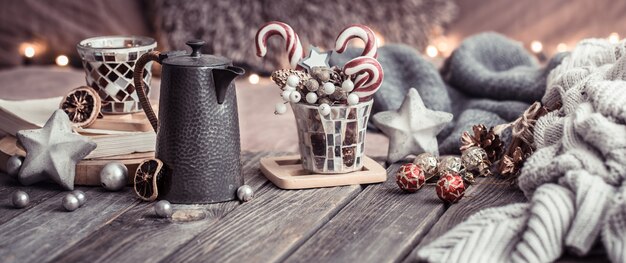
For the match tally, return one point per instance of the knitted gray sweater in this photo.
(574, 179)
(489, 80)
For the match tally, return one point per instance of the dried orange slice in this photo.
(82, 105)
(148, 179)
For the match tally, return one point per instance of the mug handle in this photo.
(138, 80)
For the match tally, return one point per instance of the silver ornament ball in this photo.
(20, 199)
(280, 108)
(347, 85)
(428, 163)
(245, 193)
(324, 109)
(163, 208)
(353, 99)
(329, 88)
(114, 176)
(295, 97)
(80, 195)
(14, 163)
(293, 80)
(449, 164)
(70, 202)
(286, 94)
(311, 97)
(473, 157)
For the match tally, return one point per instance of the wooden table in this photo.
(359, 223)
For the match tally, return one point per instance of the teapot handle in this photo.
(138, 79)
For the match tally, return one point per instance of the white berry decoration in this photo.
(311, 98)
(324, 109)
(286, 95)
(293, 80)
(329, 88)
(353, 99)
(280, 108)
(295, 97)
(347, 85)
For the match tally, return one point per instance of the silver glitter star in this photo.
(412, 129)
(316, 58)
(53, 151)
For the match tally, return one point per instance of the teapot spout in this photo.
(223, 78)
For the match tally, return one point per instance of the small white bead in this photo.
(286, 95)
(347, 85)
(289, 88)
(353, 99)
(280, 108)
(324, 109)
(295, 97)
(293, 80)
(311, 97)
(329, 88)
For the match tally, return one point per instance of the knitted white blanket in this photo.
(573, 181)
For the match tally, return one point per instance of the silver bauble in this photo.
(245, 193)
(80, 195)
(428, 163)
(163, 208)
(473, 157)
(114, 176)
(14, 163)
(449, 164)
(70, 202)
(20, 199)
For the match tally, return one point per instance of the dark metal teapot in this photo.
(198, 125)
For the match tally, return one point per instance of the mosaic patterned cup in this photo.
(109, 62)
(334, 143)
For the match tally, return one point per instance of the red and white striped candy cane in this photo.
(364, 87)
(292, 41)
(358, 31)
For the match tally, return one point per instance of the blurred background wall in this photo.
(434, 27)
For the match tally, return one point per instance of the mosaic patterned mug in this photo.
(109, 62)
(334, 143)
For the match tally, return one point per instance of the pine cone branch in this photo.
(280, 77)
(483, 138)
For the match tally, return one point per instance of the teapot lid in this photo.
(195, 58)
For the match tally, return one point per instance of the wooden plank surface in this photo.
(267, 229)
(46, 230)
(485, 193)
(382, 224)
(37, 194)
(490, 192)
(140, 236)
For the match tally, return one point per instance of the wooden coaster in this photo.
(286, 172)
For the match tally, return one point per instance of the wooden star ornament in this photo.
(53, 151)
(412, 129)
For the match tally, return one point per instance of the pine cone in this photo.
(510, 165)
(280, 77)
(488, 140)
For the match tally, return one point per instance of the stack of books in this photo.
(127, 138)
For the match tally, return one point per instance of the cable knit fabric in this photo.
(574, 180)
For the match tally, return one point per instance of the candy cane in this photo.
(292, 41)
(365, 87)
(358, 31)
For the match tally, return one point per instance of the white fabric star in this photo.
(53, 151)
(316, 58)
(412, 129)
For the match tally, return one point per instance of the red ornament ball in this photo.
(410, 177)
(450, 188)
